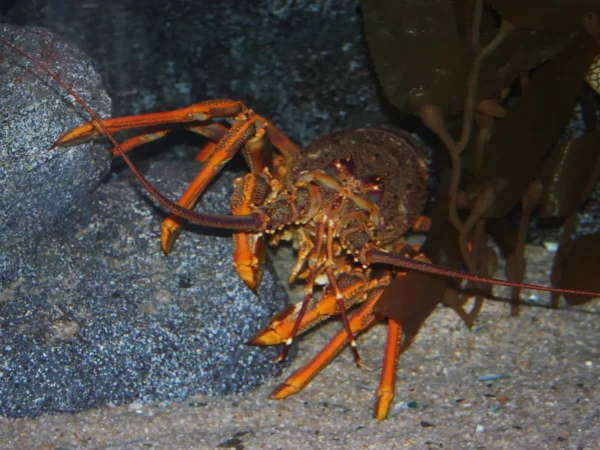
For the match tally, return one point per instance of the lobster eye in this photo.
(373, 188)
(341, 167)
(375, 196)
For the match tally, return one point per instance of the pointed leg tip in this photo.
(256, 341)
(275, 395)
(282, 391)
(380, 415)
(382, 409)
(357, 359)
(282, 355)
(169, 232)
(252, 286)
(166, 244)
(265, 336)
(63, 142)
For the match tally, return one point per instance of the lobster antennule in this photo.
(250, 222)
(378, 256)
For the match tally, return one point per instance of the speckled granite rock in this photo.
(101, 315)
(40, 185)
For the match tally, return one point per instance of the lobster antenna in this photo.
(251, 222)
(377, 256)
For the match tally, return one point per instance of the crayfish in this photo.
(345, 202)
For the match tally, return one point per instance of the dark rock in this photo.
(41, 185)
(90, 310)
(101, 315)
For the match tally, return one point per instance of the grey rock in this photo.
(41, 185)
(90, 310)
(101, 315)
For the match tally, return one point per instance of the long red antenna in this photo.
(377, 256)
(251, 222)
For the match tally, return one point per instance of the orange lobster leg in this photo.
(304, 244)
(287, 148)
(237, 136)
(385, 392)
(250, 192)
(313, 267)
(206, 152)
(213, 131)
(339, 297)
(359, 322)
(136, 141)
(258, 151)
(249, 249)
(281, 326)
(197, 112)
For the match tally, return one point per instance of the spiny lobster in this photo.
(345, 202)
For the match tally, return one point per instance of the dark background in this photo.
(301, 63)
